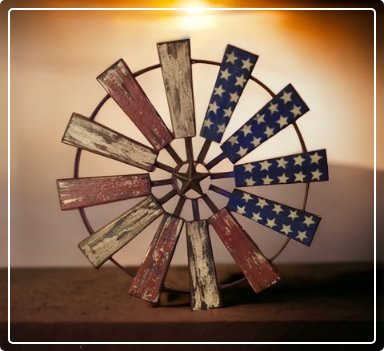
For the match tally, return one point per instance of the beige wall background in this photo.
(56, 56)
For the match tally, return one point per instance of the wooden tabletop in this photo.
(328, 302)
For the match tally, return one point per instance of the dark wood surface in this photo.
(323, 303)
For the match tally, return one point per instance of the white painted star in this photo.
(296, 111)
(286, 229)
(316, 175)
(269, 132)
(256, 217)
(231, 57)
(240, 81)
(309, 220)
(228, 112)
(271, 223)
(225, 74)
(219, 91)
(246, 130)
(234, 97)
(299, 177)
(286, 97)
(267, 180)
(221, 128)
(277, 208)
(247, 64)
(240, 210)
(233, 140)
(256, 141)
(281, 163)
(299, 160)
(207, 123)
(242, 152)
(248, 167)
(282, 121)
(262, 203)
(247, 197)
(273, 108)
(213, 107)
(249, 181)
(265, 165)
(283, 178)
(302, 236)
(315, 158)
(293, 214)
(260, 119)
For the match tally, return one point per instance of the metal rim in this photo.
(87, 224)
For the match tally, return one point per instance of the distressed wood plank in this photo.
(101, 140)
(175, 59)
(205, 292)
(255, 267)
(150, 277)
(280, 112)
(100, 246)
(91, 191)
(122, 86)
(294, 223)
(234, 73)
(298, 168)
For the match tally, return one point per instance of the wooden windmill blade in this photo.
(296, 224)
(234, 73)
(103, 244)
(255, 267)
(175, 59)
(284, 109)
(204, 287)
(149, 279)
(122, 86)
(298, 168)
(94, 137)
(91, 191)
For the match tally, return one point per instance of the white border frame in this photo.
(183, 9)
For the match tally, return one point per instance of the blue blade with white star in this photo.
(234, 73)
(294, 223)
(299, 168)
(284, 109)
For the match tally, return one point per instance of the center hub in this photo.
(189, 179)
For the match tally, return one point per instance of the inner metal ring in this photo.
(132, 272)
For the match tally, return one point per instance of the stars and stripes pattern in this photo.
(285, 108)
(298, 168)
(234, 73)
(294, 223)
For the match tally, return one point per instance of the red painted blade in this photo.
(101, 140)
(204, 287)
(255, 267)
(149, 279)
(175, 59)
(122, 86)
(85, 192)
(103, 244)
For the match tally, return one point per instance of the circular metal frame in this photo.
(84, 217)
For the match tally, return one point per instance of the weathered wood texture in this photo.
(84, 192)
(122, 86)
(100, 246)
(149, 279)
(255, 267)
(101, 140)
(205, 292)
(175, 59)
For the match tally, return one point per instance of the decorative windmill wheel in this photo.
(281, 111)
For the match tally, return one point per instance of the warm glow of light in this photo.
(195, 15)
